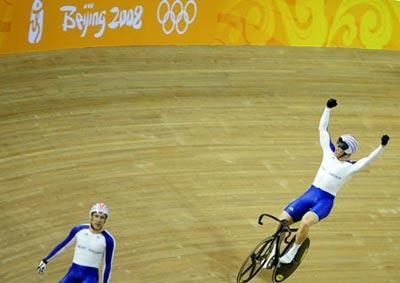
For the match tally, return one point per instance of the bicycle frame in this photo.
(262, 254)
(284, 226)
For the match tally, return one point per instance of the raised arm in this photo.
(324, 138)
(362, 163)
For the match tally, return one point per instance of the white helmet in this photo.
(99, 208)
(351, 142)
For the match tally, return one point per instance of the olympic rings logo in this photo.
(176, 17)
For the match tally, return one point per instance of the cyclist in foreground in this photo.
(335, 170)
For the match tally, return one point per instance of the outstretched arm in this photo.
(324, 138)
(58, 249)
(360, 164)
(63, 245)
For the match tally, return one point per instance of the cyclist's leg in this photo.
(319, 211)
(67, 279)
(286, 216)
(322, 203)
(91, 279)
(295, 210)
(269, 260)
(71, 276)
(91, 275)
(309, 219)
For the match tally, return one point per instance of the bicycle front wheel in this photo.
(253, 263)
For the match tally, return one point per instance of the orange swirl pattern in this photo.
(39, 25)
(373, 24)
(5, 18)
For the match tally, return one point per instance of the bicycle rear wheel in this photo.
(253, 263)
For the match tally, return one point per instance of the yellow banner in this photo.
(34, 25)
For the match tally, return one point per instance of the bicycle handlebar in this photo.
(283, 223)
(269, 215)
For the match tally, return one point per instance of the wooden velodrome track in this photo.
(188, 145)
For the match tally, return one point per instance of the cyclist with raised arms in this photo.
(335, 170)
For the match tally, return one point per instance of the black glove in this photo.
(385, 139)
(331, 103)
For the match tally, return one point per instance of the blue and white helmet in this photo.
(351, 142)
(99, 208)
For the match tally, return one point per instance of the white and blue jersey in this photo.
(331, 176)
(90, 250)
(334, 173)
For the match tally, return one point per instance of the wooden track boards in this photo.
(188, 145)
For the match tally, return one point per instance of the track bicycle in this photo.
(267, 253)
